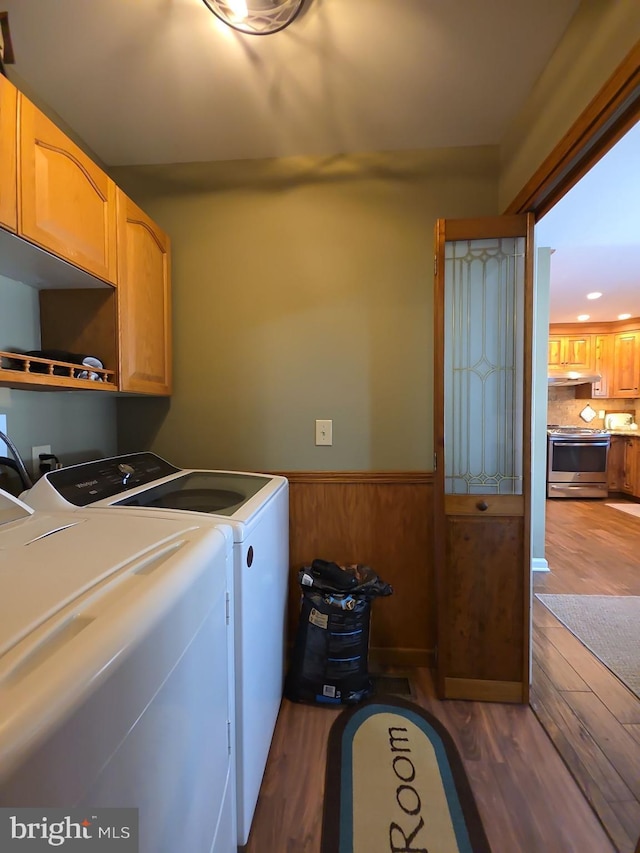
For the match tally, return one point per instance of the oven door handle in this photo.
(580, 443)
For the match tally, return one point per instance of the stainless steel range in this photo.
(577, 462)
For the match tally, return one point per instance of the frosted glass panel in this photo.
(483, 369)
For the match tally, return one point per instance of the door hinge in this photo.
(435, 461)
(228, 608)
(435, 265)
(229, 736)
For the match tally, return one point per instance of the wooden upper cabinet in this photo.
(625, 379)
(8, 142)
(570, 352)
(602, 364)
(66, 202)
(144, 301)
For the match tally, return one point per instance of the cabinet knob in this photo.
(482, 506)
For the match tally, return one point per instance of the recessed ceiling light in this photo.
(583, 317)
(595, 295)
(624, 316)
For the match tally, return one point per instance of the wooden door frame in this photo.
(611, 113)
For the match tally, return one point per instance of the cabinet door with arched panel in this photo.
(66, 202)
(144, 301)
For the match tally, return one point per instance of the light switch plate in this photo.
(324, 432)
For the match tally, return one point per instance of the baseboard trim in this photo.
(539, 564)
(483, 691)
(379, 656)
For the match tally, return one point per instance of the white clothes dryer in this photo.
(116, 671)
(256, 507)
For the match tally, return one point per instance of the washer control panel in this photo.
(89, 482)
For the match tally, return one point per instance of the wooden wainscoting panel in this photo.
(484, 598)
(383, 520)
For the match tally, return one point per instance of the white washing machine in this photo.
(256, 506)
(116, 671)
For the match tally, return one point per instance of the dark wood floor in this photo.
(592, 718)
(527, 797)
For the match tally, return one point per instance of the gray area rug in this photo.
(629, 508)
(608, 625)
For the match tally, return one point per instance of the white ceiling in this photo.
(595, 232)
(163, 81)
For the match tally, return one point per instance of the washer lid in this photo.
(214, 492)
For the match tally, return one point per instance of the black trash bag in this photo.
(331, 575)
(357, 579)
(330, 660)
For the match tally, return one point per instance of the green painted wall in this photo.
(303, 289)
(599, 37)
(77, 425)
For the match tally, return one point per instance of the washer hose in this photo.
(27, 482)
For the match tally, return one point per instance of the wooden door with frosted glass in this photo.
(482, 394)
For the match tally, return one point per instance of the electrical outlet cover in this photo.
(35, 456)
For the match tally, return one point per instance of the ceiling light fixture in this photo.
(583, 317)
(595, 295)
(256, 17)
(624, 316)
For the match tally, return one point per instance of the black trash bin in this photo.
(330, 660)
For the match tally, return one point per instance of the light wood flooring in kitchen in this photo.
(592, 718)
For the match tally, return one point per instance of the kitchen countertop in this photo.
(630, 432)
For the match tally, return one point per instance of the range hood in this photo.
(572, 377)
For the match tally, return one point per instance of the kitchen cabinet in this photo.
(625, 377)
(100, 264)
(144, 301)
(602, 364)
(570, 352)
(603, 367)
(615, 464)
(67, 203)
(631, 483)
(8, 156)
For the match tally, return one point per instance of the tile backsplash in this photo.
(564, 409)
